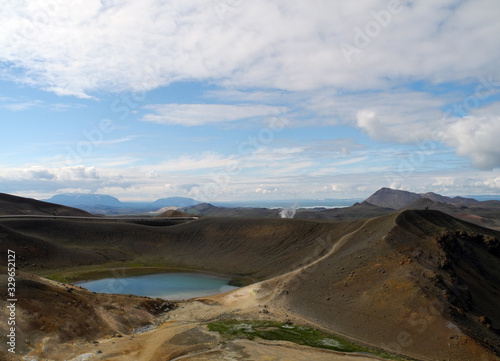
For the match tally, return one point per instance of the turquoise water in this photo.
(173, 286)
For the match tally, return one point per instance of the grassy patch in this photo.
(114, 269)
(270, 330)
(59, 278)
(74, 274)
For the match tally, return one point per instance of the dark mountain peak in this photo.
(399, 199)
(392, 198)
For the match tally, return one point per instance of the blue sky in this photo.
(234, 100)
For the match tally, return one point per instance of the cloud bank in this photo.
(78, 48)
(399, 72)
(199, 114)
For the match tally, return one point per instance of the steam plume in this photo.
(288, 212)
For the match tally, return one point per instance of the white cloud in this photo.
(476, 138)
(134, 184)
(138, 192)
(410, 117)
(199, 114)
(17, 105)
(43, 174)
(73, 190)
(350, 161)
(492, 183)
(402, 117)
(204, 161)
(287, 52)
(292, 168)
(473, 137)
(266, 190)
(265, 155)
(80, 48)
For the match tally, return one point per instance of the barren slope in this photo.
(408, 282)
(10, 204)
(420, 283)
(258, 248)
(49, 314)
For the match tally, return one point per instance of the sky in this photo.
(249, 100)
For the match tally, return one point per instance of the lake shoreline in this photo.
(122, 272)
(177, 285)
(75, 275)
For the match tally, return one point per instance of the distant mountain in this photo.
(384, 201)
(14, 205)
(485, 213)
(443, 199)
(397, 199)
(392, 198)
(175, 202)
(108, 205)
(79, 199)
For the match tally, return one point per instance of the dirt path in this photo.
(280, 308)
(290, 275)
(335, 247)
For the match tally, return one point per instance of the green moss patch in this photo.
(275, 331)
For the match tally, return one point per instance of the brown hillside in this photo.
(52, 314)
(209, 210)
(420, 283)
(403, 281)
(247, 246)
(485, 214)
(174, 213)
(13, 205)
